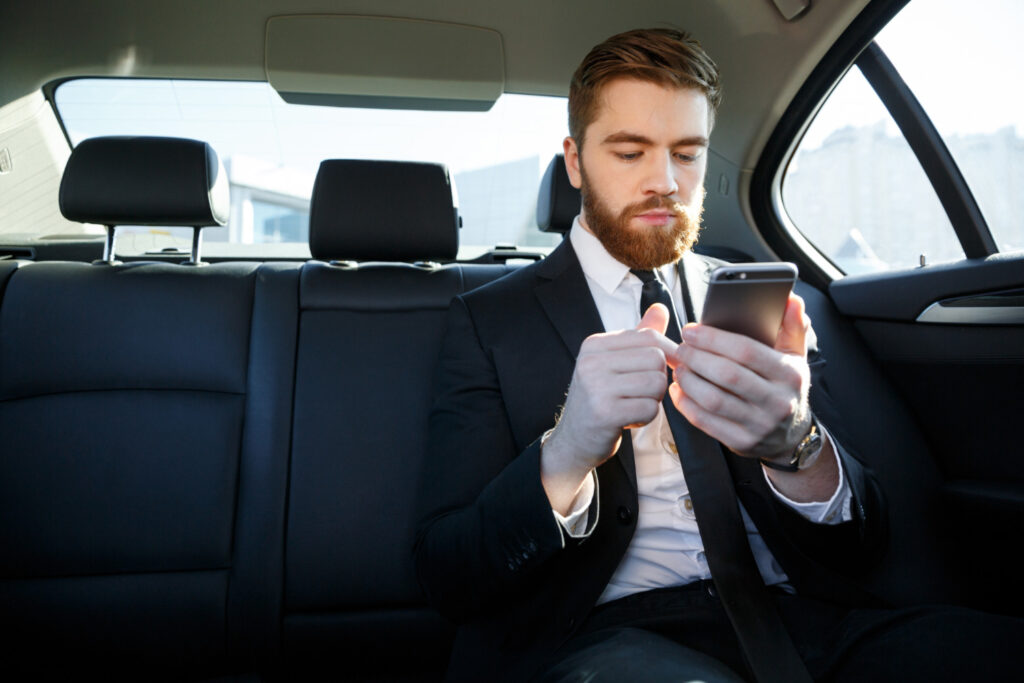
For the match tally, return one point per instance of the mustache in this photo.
(655, 202)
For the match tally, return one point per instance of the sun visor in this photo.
(383, 62)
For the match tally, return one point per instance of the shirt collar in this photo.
(602, 267)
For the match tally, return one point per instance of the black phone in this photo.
(749, 298)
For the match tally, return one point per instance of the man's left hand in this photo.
(749, 396)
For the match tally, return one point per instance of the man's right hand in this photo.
(619, 382)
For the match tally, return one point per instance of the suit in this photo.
(489, 553)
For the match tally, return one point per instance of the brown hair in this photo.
(659, 55)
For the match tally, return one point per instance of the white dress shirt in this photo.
(666, 549)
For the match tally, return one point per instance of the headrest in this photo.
(558, 202)
(144, 181)
(382, 211)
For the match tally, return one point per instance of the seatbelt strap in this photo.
(766, 644)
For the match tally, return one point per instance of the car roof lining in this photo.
(763, 57)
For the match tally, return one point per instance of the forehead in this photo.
(646, 107)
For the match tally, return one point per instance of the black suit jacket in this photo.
(489, 554)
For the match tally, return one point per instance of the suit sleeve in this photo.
(849, 548)
(485, 523)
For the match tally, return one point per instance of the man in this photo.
(559, 528)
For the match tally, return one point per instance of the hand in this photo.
(751, 397)
(619, 381)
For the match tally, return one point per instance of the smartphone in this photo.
(749, 298)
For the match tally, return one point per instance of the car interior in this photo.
(210, 449)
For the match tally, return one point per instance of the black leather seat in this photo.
(369, 334)
(145, 411)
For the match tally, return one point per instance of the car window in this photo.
(271, 151)
(854, 187)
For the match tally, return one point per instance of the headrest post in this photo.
(108, 249)
(196, 244)
(146, 181)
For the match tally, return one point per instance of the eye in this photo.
(628, 156)
(688, 158)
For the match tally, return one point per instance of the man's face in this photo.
(641, 173)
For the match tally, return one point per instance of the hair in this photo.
(659, 55)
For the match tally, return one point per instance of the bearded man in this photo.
(562, 494)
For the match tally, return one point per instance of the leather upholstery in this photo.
(382, 211)
(558, 201)
(144, 181)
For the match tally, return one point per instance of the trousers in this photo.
(683, 634)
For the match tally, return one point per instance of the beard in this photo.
(651, 246)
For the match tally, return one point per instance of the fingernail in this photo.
(688, 334)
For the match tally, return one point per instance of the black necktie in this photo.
(769, 651)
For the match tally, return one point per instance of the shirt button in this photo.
(625, 514)
(830, 516)
(688, 504)
(672, 447)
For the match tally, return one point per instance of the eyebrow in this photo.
(626, 136)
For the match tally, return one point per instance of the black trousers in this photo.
(683, 634)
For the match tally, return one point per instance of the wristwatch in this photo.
(804, 455)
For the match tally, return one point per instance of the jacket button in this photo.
(625, 514)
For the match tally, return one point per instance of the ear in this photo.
(572, 162)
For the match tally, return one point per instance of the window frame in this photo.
(856, 47)
(931, 151)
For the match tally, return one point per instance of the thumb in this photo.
(793, 333)
(656, 318)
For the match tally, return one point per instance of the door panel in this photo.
(964, 385)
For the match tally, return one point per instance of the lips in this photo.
(656, 217)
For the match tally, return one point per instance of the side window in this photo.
(866, 197)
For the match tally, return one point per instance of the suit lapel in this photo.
(695, 274)
(564, 295)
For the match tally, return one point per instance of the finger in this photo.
(636, 360)
(631, 339)
(656, 318)
(647, 384)
(740, 349)
(792, 337)
(622, 360)
(637, 412)
(717, 401)
(624, 339)
(723, 372)
(732, 434)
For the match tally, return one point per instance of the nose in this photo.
(660, 177)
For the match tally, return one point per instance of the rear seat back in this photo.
(369, 335)
(136, 489)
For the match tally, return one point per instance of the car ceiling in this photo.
(763, 57)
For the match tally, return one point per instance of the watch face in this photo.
(808, 450)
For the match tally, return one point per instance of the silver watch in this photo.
(805, 453)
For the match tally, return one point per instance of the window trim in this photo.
(931, 151)
(766, 182)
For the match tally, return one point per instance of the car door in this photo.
(912, 221)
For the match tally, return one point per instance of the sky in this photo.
(936, 46)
